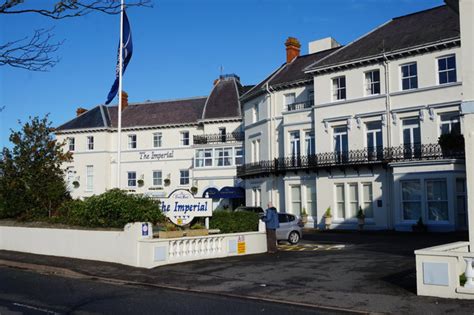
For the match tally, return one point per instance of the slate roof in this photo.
(289, 73)
(416, 29)
(222, 103)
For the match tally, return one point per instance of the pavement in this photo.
(361, 272)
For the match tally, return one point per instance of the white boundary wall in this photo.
(129, 247)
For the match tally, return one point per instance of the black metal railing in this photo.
(300, 105)
(372, 156)
(219, 138)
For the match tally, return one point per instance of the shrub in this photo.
(233, 222)
(114, 208)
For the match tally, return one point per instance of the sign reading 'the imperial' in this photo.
(181, 207)
(156, 155)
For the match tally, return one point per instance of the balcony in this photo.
(300, 105)
(219, 138)
(352, 158)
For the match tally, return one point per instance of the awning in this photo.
(211, 193)
(232, 192)
(226, 192)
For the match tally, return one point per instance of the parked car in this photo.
(258, 210)
(291, 228)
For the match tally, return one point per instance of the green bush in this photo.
(233, 222)
(114, 208)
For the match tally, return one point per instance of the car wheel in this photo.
(294, 238)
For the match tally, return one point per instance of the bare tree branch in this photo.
(35, 53)
(31, 53)
(69, 8)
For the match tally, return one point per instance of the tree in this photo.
(36, 52)
(31, 178)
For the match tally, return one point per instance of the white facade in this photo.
(358, 117)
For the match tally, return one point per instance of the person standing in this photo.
(271, 222)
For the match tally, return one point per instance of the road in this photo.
(26, 292)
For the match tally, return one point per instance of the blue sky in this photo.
(179, 47)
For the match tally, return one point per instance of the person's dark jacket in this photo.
(271, 218)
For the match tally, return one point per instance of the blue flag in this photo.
(126, 55)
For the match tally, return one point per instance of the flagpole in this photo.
(119, 123)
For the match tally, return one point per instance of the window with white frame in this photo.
(367, 200)
(132, 179)
(449, 123)
(411, 133)
(411, 199)
(157, 140)
(157, 178)
(447, 69)
(296, 199)
(255, 113)
(353, 200)
(255, 147)
(339, 88)
(437, 199)
(203, 158)
(311, 200)
(374, 139)
(71, 143)
(90, 143)
(340, 212)
(132, 141)
(223, 156)
(372, 82)
(409, 76)
(222, 132)
(89, 178)
(239, 155)
(295, 143)
(256, 197)
(184, 177)
(341, 145)
(309, 143)
(289, 99)
(184, 138)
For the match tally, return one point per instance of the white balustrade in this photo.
(469, 273)
(210, 246)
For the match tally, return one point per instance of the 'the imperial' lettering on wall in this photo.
(156, 155)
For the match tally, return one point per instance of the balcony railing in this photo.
(354, 158)
(219, 138)
(300, 105)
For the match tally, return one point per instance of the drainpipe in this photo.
(390, 199)
(270, 150)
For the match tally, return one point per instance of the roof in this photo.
(416, 29)
(222, 103)
(289, 73)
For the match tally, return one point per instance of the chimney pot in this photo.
(292, 49)
(124, 100)
(80, 111)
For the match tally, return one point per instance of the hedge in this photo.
(233, 222)
(114, 208)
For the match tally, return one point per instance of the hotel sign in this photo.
(181, 207)
(156, 155)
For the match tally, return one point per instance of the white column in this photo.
(466, 14)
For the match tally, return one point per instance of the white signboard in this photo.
(181, 207)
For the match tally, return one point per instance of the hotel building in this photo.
(357, 126)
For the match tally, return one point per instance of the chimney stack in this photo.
(80, 111)
(124, 100)
(292, 49)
